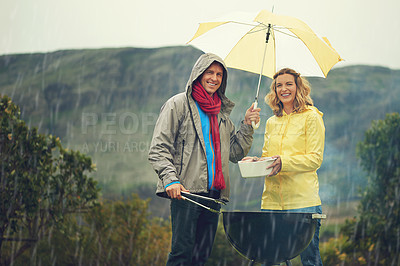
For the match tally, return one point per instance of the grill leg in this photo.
(288, 263)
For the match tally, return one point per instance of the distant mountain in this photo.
(105, 102)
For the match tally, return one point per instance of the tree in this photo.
(374, 237)
(41, 182)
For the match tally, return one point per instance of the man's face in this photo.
(211, 79)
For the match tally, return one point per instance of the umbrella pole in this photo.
(260, 77)
(255, 126)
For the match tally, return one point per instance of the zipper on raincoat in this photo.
(288, 117)
(183, 148)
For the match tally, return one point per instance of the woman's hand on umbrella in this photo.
(276, 165)
(252, 114)
(174, 191)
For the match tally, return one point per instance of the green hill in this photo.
(105, 102)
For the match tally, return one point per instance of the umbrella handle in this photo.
(254, 125)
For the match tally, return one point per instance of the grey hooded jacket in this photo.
(177, 151)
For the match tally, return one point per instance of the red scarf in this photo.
(211, 106)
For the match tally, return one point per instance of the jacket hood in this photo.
(198, 69)
(316, 110)
(307, 108)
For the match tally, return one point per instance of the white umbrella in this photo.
(265, 43)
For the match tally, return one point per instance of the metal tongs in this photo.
(205, 198)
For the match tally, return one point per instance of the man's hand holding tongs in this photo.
(174, 191)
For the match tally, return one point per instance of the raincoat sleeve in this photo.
(240, 142)
(311, 160)
(162, 145)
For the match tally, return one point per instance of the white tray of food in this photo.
(255, 167)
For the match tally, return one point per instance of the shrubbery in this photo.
(50, 213)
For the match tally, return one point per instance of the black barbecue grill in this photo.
(266, 237)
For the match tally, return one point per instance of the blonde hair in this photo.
(302, 98)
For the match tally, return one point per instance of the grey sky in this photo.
(362, 31)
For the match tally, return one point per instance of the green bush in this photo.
(40, 183)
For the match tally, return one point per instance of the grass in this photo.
(336, 215)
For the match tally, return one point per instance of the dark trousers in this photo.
(193, 232)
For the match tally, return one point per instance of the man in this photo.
(193, 141)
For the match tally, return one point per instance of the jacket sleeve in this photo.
(240, 142)
(314, 148)
(162, 148)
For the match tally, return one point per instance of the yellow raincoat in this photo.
(299, 140)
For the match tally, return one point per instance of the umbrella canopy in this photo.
(266, 43)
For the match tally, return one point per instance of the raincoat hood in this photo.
(308, 108)
(198, 69)
(315, 110)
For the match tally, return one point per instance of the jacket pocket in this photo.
(183, 149)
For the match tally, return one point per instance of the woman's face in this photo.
(286, 90)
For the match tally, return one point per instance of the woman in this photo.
(295, 136)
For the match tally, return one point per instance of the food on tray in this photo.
(255, 159)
